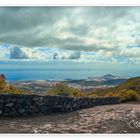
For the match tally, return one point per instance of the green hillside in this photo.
(130, 84)
(127, 91)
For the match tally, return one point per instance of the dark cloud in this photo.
(69, 27)
(24, 18)
(17, 53)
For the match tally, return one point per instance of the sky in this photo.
(81, 34)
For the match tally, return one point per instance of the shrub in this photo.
(5, 88)
(2, 81)
(64, 90)
(127, 95)
(93, 94)
(110, 94)
(12, 90)
(124, 95)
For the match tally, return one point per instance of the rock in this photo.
(40, 103)
(1, 105)
(35, 98)
(43, 109)
(13, 99)
(21, 101)
(21, 110)
(7, 100)
(0, 111)
(12, 104)
(6, 111)
(1, 101)
(38, 99)
(33, 110)
(13, 112)
(9, 104)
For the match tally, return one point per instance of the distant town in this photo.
(89, 84)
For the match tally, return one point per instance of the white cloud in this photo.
(42, 53)
(24, 53)
(133, 52)
(66, 55)
(68, 33)
(129, 54)
(4, 51)
(94, 28)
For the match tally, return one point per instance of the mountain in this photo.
(109, 76)
(106, 77)
(92, 82)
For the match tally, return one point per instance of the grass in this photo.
(61, 89)
(124, 95)
(127, 91)
(5, 88)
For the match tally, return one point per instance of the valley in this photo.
(86, 85)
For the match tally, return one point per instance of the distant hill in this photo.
(106, 80)
(129, 90)
(109, 76)
(129, 84)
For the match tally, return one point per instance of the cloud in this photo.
(106, 32)
(43, 53)
(69, 28)
(4, 51)
(67, 55)
(126, 55)
(24, 53)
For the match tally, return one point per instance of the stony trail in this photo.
(120, 118)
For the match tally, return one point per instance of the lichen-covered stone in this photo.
(9, 104)
(16, 105)
(21, 110)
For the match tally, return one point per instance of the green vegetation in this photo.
(5, 88)
(127, 91)
(64, 90)
(130, 84)
(124, 95)
(2, 81)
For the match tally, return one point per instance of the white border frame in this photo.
(70, 3)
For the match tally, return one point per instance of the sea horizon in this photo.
(63, 70)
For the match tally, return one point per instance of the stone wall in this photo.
(16, 105)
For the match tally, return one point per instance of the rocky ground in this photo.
(121, 118)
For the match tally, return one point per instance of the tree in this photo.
(2, 80)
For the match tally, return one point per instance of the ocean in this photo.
(61, 70)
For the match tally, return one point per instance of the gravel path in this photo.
(121, 118)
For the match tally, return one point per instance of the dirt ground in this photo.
(121, 118)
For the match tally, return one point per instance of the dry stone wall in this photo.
(12, 105)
